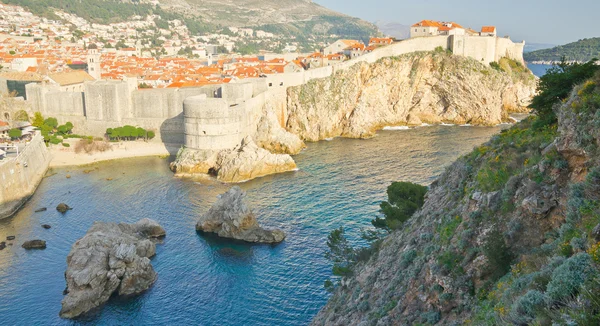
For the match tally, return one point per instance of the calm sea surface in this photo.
(538, 70)
(205, 281)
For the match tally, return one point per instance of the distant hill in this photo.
(393, 29)
(530, 47)
(582, 50)
(301, 19)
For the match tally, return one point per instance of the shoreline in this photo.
(66, 156)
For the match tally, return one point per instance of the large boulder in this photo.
(230, 217)
(110, 259)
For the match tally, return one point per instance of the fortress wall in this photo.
(3, 86)
(211, 124)
(19, 177)
(507, 48)
(107, 100)
(65, 103)
(480, 48)
(236, 93)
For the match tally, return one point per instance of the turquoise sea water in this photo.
(207, 281)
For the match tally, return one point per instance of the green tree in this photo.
(51, 122)
(404, 199)
(141, 132)
(340, 253)
(15, 133)
(556, 85)
(38, 120)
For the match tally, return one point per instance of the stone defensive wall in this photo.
(109, 104)
(222, 121)
(217, 116)
(485, 49)
(20, 176)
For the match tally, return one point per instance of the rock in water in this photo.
(110, 258)
(10, 237)
(63, 208)
(34, 244)
(43, 209)
(46, 226)
(244, 162)
(229, 217)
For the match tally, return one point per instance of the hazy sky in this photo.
(535, 21)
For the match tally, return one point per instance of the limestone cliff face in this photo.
(533, 189)
(412, 89)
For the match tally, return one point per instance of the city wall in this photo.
(219, 115)
(20, 176)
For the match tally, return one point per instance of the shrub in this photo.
(404, 199)
(497, 253)
(495, 65)
(528, 305)
(66, 145)
(568, 277)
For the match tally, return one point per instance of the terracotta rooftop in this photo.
(71, 77)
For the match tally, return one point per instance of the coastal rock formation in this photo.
(34, 244)
(244, 162)
(271, 136)
(411, 89)
(230, 217)
(110, 259)
(503, 237)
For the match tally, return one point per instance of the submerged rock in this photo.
(229, 217)
(10, 237)
(46, 226)
(43, 209)
(110, 259)
(34, 244)
(63, 208)
(2, 245)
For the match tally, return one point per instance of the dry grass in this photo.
(89, 146)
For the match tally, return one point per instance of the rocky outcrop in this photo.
(411, 89)
(110, 259)
(241, 163)
(231, 218)
(34, 244)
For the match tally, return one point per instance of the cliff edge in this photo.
(411, 89)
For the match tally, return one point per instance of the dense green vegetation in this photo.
(108, 11)
(128, 132)
(52, 132)
(556, 85)
(582, 50)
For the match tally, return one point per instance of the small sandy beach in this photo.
(66, 156)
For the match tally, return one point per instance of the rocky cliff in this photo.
(509, 234)
(422, 87)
